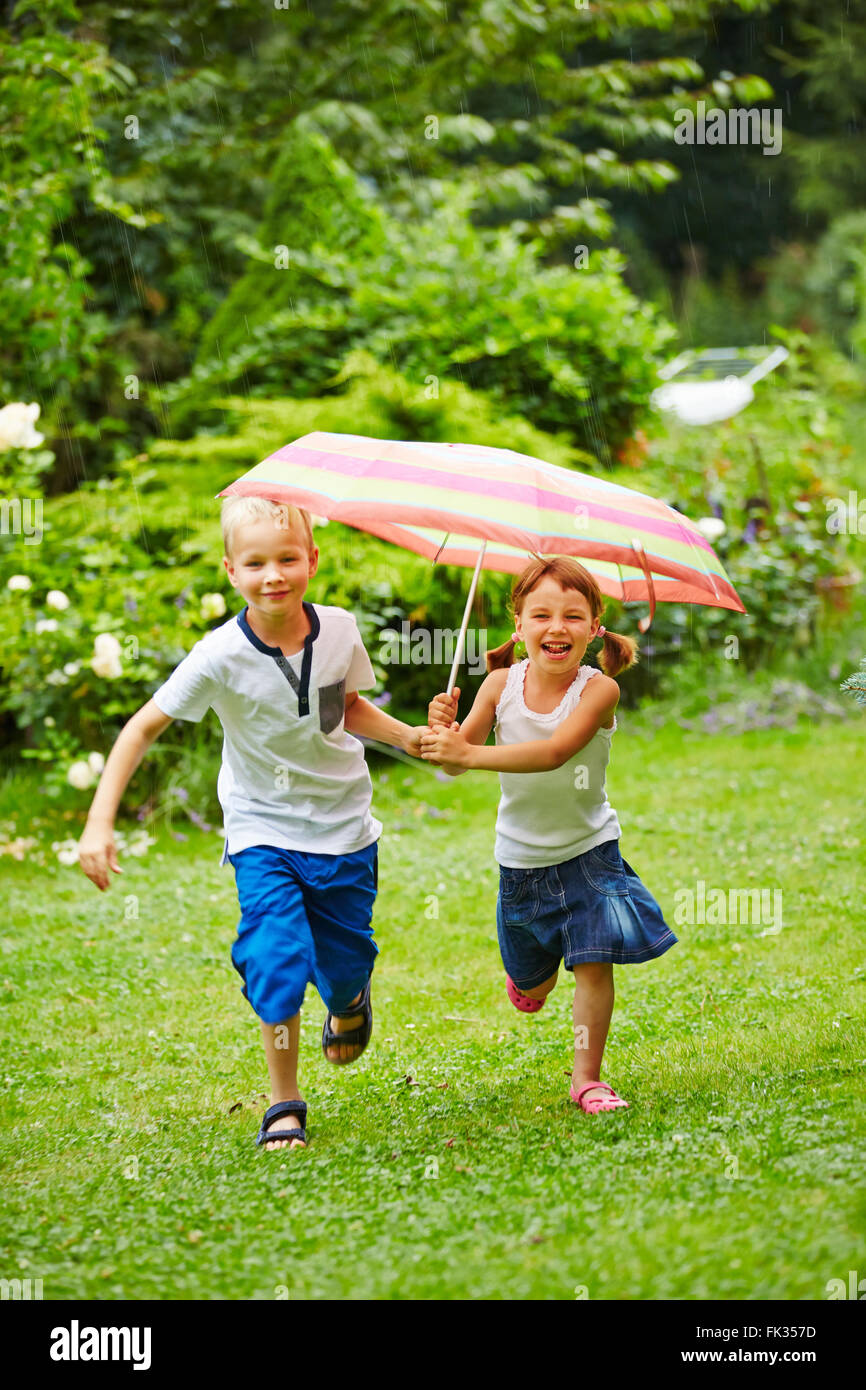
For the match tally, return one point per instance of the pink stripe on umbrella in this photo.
(492, 487)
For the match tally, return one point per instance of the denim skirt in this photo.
(589, 908)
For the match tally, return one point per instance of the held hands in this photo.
(445, 744)
(97, 853)
(413, 740)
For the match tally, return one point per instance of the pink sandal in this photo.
(611, 1102)
(521, 1001)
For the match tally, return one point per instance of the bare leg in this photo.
(281, 1051)
(593, 1007)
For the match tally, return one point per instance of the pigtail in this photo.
(618, 652)
(501, 657)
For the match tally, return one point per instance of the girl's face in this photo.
(557, 625)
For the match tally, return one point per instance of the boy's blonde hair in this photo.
(237, 510)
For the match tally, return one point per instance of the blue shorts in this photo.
(305, 919)
(590, 908)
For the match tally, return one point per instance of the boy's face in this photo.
(556, 624)
(271, 565)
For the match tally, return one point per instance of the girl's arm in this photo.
(362, 717)
(477, 724)
(597, 703)
(97, 852)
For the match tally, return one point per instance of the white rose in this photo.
(80, 776)
(212, 606)
(711, 527)
(18, 581)
(106, 657)
(46, 625)
(55, 598)
(16, 426)
(96, 762)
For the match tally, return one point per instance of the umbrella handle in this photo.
(644, 623)
(461, 640)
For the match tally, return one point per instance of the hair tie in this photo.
(514, 637)
(601, 632)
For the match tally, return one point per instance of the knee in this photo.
(593, 972)
(541, 991)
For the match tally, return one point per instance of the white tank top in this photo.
(545, 818)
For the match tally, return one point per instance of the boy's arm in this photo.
(362, 717)
(96, 848)
(597, 703)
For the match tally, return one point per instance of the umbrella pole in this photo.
(461, 640)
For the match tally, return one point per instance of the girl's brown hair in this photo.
(618, 651)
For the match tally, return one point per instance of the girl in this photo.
(564, 890)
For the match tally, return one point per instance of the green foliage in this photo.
(137, 164)
(52, 161)
(856, 684)
(825, 50)
(569, 348)
(836, 282)
(769, 475)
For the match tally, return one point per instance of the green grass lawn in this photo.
(449, 1163)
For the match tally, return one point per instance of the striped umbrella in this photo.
(470, 504)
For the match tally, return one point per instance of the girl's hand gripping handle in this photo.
(443, 709)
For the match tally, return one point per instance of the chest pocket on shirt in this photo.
(332, 701)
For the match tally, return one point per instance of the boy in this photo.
(283, 678)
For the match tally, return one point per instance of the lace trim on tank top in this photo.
(512, 693)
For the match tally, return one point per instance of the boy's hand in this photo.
(446, 745)
(413, 741)
(97, 853)
(443, 709)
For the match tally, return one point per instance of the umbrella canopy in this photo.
(470, 504)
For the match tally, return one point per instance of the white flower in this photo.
(140, 844)
(49, 722)
(106, 656)
(80, 775)
(55, 598)
(16, 426)
(212, 606)
(72, 668)
(712, 527)
(66, 851)
(18, 581)
(95, 762)
(56, 678)
(46, 625)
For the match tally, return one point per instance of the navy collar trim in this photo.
(301, 687)
(257, 642)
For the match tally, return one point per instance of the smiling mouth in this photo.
(556, 648)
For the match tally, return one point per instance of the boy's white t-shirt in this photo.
(288, 778)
